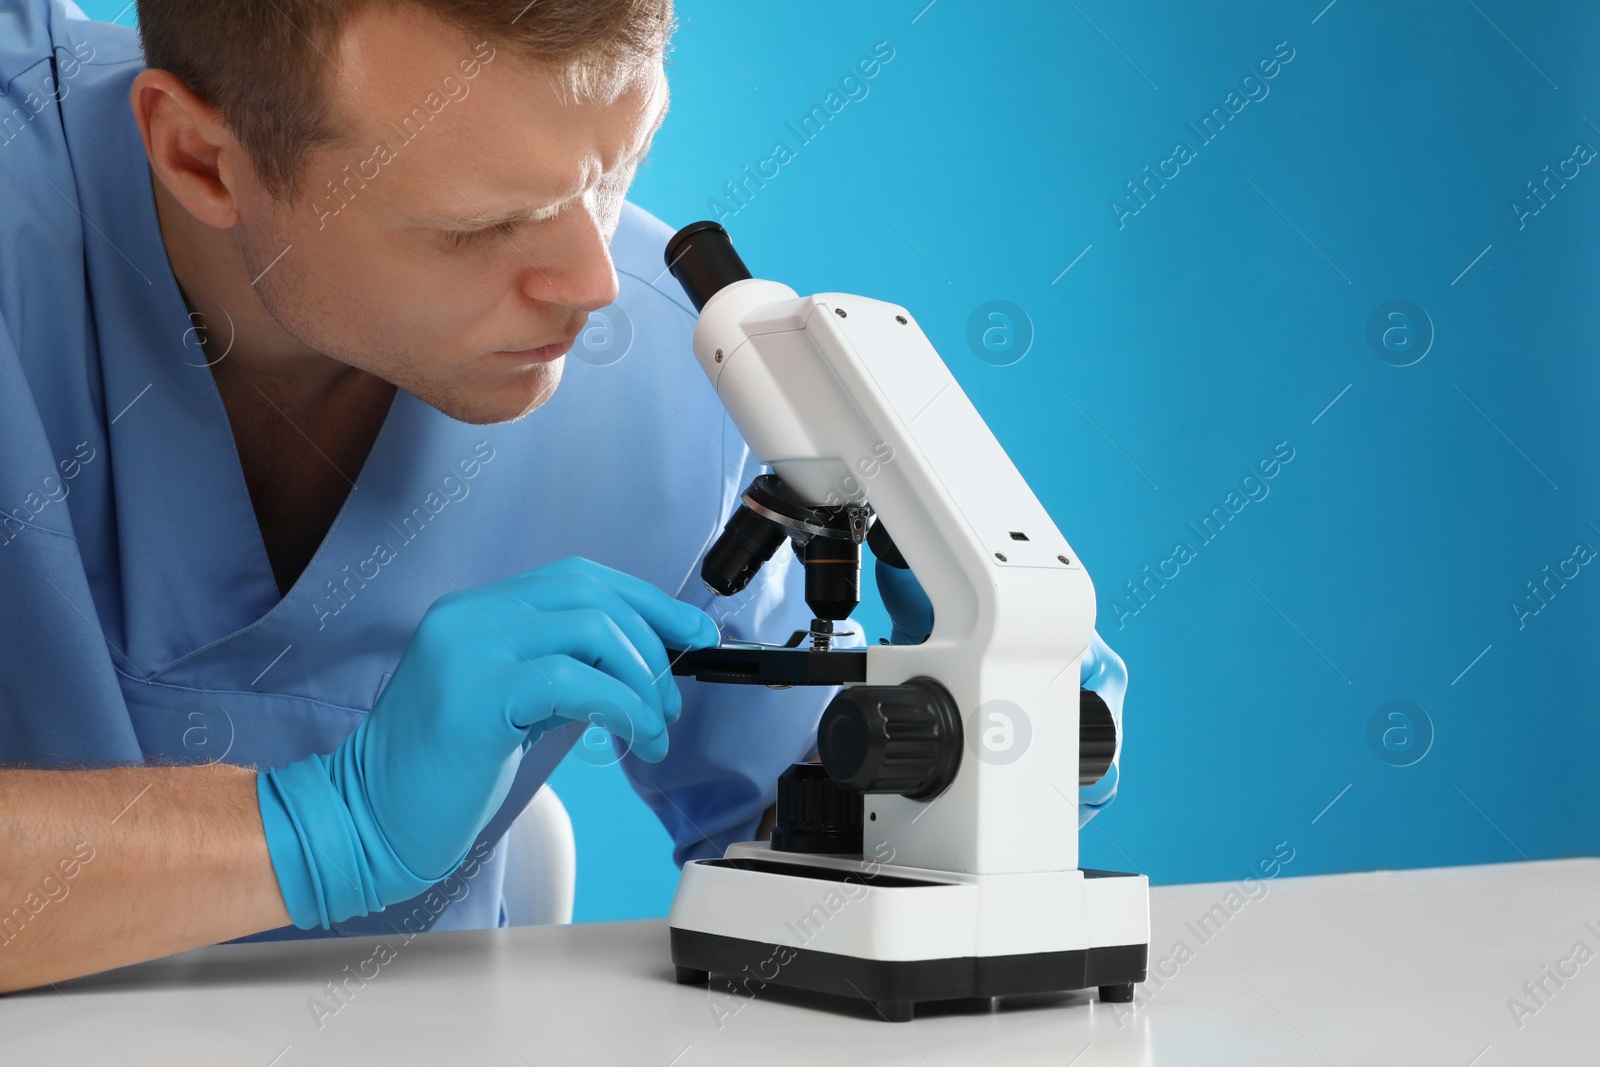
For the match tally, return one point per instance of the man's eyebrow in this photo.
(483, 220)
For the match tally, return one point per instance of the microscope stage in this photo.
(779, 666)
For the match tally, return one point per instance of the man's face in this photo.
(468, 220)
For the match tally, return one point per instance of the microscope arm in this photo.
(848, 402)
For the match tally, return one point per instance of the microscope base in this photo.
(895, 987)
(897, 936)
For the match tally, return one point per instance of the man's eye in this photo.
(467, 238)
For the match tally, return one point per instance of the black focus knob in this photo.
(815, 813)
(1097, 737)
(902, 739)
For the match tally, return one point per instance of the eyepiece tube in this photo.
(702, 258)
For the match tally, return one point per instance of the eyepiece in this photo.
(702, 258)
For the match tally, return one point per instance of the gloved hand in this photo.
(910, 611)
(1102, 670)
(396, 806)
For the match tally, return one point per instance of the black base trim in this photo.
(894, 987)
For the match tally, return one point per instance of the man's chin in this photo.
(504, 400)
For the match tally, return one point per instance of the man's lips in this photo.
(542, 354)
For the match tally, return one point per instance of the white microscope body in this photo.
(976, 892)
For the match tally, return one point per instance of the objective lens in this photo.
(746, 544)
(833, 577)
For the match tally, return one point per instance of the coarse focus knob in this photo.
(1097, 737)
(815, 813)
(902, 739)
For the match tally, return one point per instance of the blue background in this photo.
(1229, 314)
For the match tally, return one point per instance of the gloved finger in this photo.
(910, 610)
(593, 637)
(678, 624)
(1095, 798)
(1103, 671)
(567, 592)
(578, 692)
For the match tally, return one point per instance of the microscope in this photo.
(932, 853)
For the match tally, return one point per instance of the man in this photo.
(277, 537)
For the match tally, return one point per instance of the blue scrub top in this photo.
(141, 619)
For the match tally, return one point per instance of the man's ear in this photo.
(190, 148)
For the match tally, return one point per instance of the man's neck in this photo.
(244, 344)
(302, 423)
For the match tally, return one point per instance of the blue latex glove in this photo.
(1103, 672)
(396, 806)
(911, 621)
(910, 611)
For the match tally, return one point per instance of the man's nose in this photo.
(576, 270)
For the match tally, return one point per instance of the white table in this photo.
(1411, 968)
